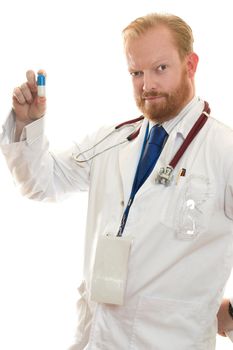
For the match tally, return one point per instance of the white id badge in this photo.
(110, 270)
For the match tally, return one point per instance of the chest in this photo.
(192, 197)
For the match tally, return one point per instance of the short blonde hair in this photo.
(181, 31)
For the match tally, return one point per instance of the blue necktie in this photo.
(150, 155)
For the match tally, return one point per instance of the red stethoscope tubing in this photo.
(135, 133)
(191, 135)
(193, 132)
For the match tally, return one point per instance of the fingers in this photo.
(23, 94)
(31, 80)
(27, 92)
(18, 96)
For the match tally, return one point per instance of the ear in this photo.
(191, 63)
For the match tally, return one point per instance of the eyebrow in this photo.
(159, 61)
(155, 63)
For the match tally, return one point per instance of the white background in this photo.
(79, 44)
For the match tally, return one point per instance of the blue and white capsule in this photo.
(41, 85)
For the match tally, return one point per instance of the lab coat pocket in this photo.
(194, 208)
(163, 324)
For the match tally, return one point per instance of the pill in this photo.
(41, 85)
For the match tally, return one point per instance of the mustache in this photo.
(153, 94)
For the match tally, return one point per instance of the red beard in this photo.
(169, 106)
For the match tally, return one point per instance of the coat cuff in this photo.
(33, 131)
(30, 133)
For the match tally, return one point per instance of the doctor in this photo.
(167, 239)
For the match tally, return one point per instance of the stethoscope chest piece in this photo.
(165, 175)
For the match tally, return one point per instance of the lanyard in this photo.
(134, 189)
(165, 174)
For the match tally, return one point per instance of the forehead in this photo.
(154, 45)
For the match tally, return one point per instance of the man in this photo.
(173, 225)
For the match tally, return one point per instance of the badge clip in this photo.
(165, 175)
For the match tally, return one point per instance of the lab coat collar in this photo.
(188, 116)
(185, 119)
(130, 153)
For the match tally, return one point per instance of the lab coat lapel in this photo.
(163, 160)
(128, 160)
(174, 142)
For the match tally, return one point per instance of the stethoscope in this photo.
(165, 174)
(118, 127)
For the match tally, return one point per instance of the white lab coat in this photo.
(181, 254)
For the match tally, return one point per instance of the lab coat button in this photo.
(122, 203)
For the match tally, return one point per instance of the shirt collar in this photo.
(185, 119)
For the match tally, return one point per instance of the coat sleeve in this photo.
(40, 173)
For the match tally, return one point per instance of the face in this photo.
(163, 83)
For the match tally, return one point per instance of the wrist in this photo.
(19, 126)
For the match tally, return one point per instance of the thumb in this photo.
(41, 105)
(37, 108)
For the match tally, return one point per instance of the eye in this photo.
(162, 67)
(136, 74)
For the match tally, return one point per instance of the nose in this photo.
(149, 82)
